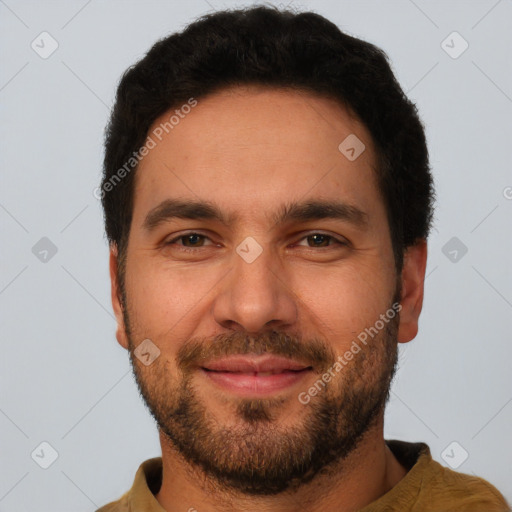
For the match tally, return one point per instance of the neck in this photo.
(366, 474)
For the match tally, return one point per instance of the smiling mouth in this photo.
(259, 374)
(255, 376)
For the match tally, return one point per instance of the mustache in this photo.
(314, 352)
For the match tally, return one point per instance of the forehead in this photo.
(252, 148)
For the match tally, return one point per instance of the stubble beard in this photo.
(254, 454)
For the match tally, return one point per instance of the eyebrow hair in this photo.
(293, 211)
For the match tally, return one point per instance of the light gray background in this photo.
(64, 378)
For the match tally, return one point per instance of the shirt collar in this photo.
(146, 484)
(148, 479)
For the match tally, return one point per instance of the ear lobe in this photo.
(115, 292)
(413, 279)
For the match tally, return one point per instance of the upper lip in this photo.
(247, 364)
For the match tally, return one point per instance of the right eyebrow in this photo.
(183, 209)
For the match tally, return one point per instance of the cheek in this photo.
(164, 297)
(343, 302)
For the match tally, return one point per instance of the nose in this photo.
(255, 296)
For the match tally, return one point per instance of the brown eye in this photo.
(191, 240)
(321, 240)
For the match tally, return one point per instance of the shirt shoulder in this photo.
(454, 491)
(121, 505)
(430, 487)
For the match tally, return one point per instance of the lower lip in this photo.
(250, 384)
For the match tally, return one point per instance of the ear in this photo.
(413, 279)
(121, 335)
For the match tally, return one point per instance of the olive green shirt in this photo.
(427, 487)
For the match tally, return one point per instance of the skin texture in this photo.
(251, 150)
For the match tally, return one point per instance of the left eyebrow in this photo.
(291, 212)
(321, 209)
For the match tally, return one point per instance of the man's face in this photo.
(249, 314)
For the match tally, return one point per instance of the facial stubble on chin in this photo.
(256, 455)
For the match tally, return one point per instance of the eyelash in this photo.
(193, 249)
